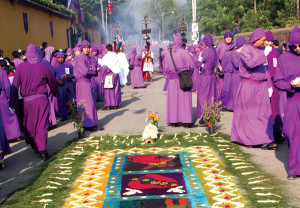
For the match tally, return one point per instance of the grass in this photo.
(68, 164)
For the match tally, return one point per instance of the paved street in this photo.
(23, 165)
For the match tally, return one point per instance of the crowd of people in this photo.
(256, 80)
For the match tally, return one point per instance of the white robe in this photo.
(123, 65)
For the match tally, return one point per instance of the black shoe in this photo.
(95, 128)
(63, 119)
(189, 125)
(201, 122)
(291, 177)
(1, 165)
(172, 124)
(106, 108)
(278, 137)
(269, 146)
(44, 155)
(114, 107)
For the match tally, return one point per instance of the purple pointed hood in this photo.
(177, 41)
(84, 44)
(227, 34)
(208, 40)
(257, 34)
(70, 51)
(295, 36)
(132, 54)
(33, 54)
(95, 48)
(270, 36)
(60, 55)
(191, 49)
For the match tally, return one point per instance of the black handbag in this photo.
(185, 77)
(130, 67)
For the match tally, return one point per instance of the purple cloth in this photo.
(9, 118)
(207, 87)
(48, 53)
(252, 117)
(17, 61)
(179, 102)
(33, 77)
(84, 44)
(60, 55)
(288, 69)
(272, 63)
(84, 69)
(112, 96)
(70, 51)
(136, 74)
(4, 146)
(97, 80)
(235, 76)
(67, 90)
(226, 92)
(227, 34)
(270, 36)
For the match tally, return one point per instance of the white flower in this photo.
(150, 131)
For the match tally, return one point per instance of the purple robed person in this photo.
(48, 53)
(110, 67)
(288, 69)
(136, 74)
(51, 98)
(17, 61)
(97, 81)
(179, 102)
(207, 87)
(230, 66)
(9, 118)
(252, 117)
(193, 53)
(33, 77)
(65, 79)
(272, 63)
(85, 68)
(221, 49)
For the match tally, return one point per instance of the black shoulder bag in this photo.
(185, 77)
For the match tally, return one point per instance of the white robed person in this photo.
(112, 86)
(123, 63)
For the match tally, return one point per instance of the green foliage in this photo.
(211, 113)
(216, 16)
(78, 114)
(58, 7)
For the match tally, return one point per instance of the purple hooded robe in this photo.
(221, 49)
(136, 74)
(207, 87)
(85, 68)
(179, 102)
(9, 118)
(252, 117)
(33, 77)
(66, 90)
(288, 69)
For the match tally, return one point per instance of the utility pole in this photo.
(194, 21)
(298, 15)
(255, 10)
(102, 15)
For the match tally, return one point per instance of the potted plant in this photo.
(77, 116)
(211, 114)
(150, 133)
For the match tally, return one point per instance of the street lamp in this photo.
(162, 22)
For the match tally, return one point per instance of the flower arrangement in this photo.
(151, 130)
(77, 114)
(211, 114)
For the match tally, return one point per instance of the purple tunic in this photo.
(9, 118)
(112, 96)
(136, 74)
(207, 87)
(84, 69)
(235, 76)
(221, 49)
(66, 91)
(179, 102)
(17, 61)
(97, 80)
(272, 63)
(288, 69)
(4, 146)
(33, 77)
(226, 92)
(252, 117)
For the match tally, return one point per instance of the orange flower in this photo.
(153, 115)
(155, 118)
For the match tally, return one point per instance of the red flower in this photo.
(89, 185)
(208, 165)
(220, 184)
(214, 171)
(86, 194)
(217, 177)
(198, 147)
(175, 148)
(93, 173)
(98, 159)
(222, 190)
(205, 160)
(201, 155)
(90, 179)
(101, 155)
(208, 124)
(227, 206)
(85, 202)
(226, 197)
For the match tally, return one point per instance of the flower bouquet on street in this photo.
(77, 116)
(150, 133)
(211, 114)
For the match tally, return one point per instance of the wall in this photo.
(13, 35)
(282, 35)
